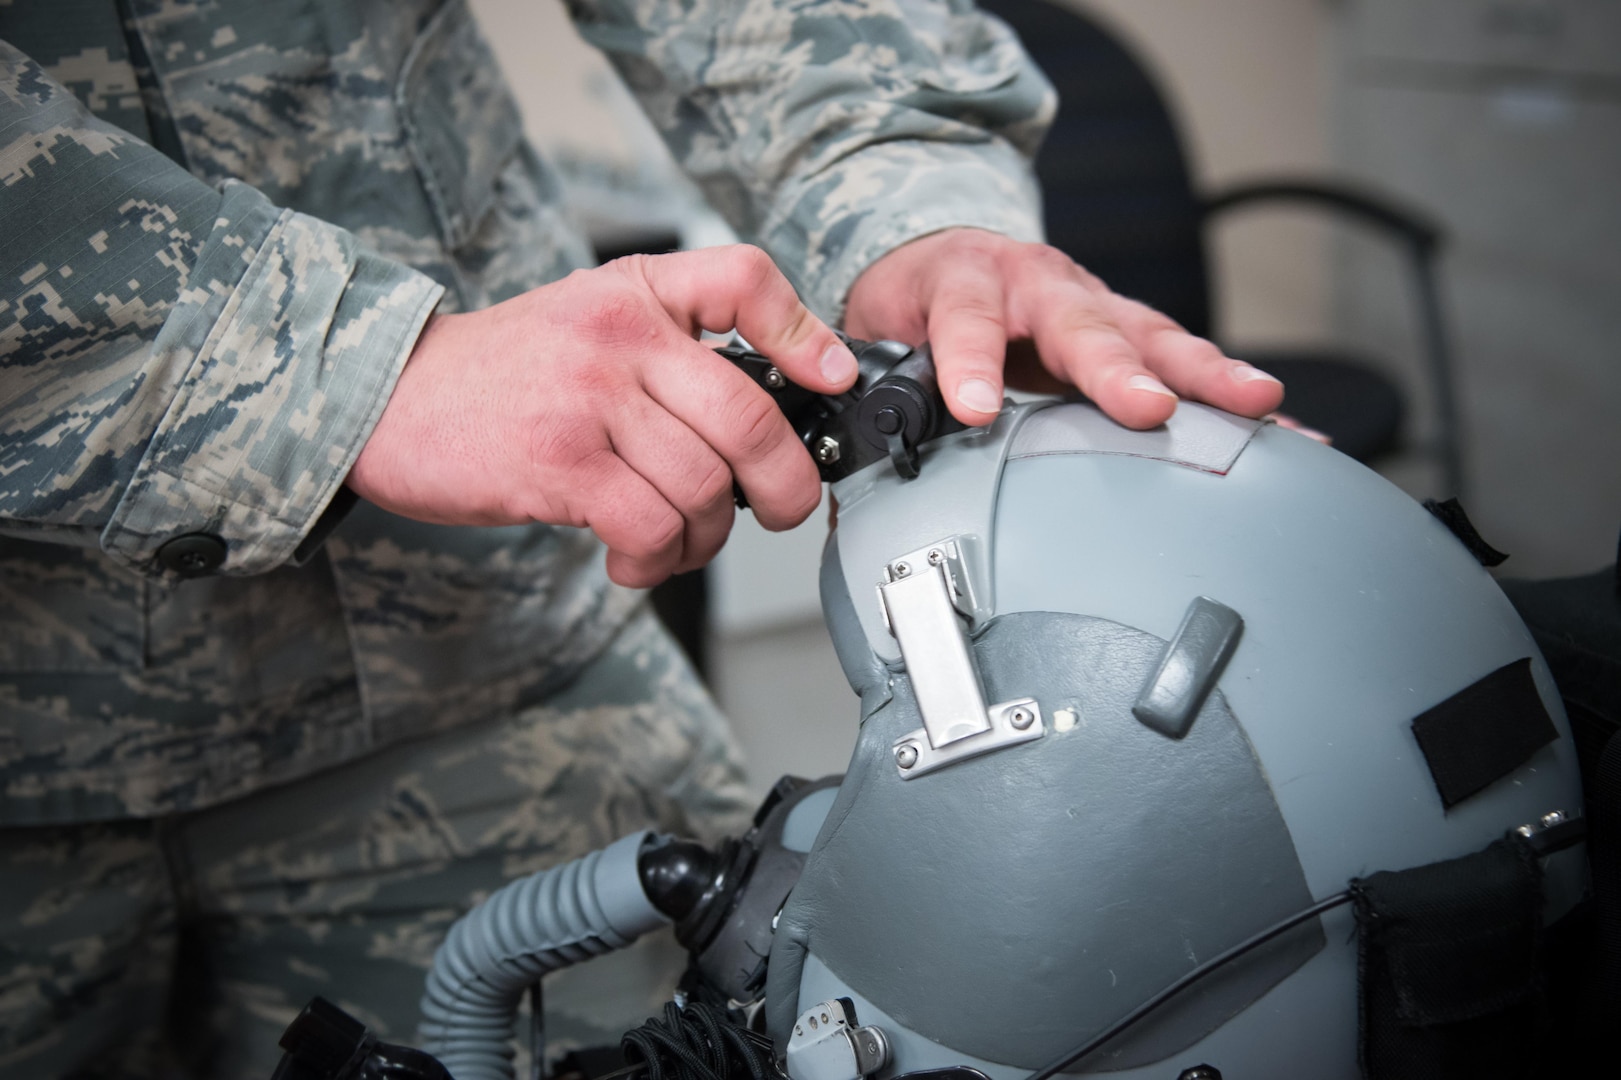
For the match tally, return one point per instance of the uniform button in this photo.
(193, 554)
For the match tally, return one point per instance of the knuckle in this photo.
(977, 245)
(713, 488)
(613, 318)
(1101, 358)
(662, 531)
(977, 317)
(751, 268)
(1197, 349)
(1049, 260)
(1081, 275)
(1094, 324)
(1154, 320)
(800, 324)
(569, 444)
(755, 426)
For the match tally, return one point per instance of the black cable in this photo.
(697, 1042)
(1188, 980)
(1543, 842)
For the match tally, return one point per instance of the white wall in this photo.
(1503, 119)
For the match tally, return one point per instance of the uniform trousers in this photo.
(182, 946)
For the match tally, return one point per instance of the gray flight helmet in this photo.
(1127, 698)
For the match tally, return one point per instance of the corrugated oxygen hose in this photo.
(526, 929)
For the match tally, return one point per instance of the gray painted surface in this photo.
(1196, 436)
(1069, 878)
(1292, 1031)
(882, 516)
(1360, 609)
(805, 820)
(1360, 612)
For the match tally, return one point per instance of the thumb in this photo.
(740, 288)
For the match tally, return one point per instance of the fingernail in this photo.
(838, 363)
(979, 395)
(1151, 384)
(1249, 373)
(1289, 423)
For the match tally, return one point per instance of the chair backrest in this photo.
(1119, 197)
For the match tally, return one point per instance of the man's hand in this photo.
(971, 293)
(589, 402)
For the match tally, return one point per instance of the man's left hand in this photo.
(971, 294)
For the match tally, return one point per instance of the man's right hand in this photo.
(590, 402)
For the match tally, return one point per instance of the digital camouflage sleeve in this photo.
(177, 359)
(832, 132)
(222, 223)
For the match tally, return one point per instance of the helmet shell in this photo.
(1007, 907)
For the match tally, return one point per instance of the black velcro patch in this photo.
(1449, 966)
(1483, 732)
(1451, 514)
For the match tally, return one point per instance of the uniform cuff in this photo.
(291, 337)
(872, 202)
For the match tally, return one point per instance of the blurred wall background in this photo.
(1501, 118)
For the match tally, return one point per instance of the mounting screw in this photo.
(936, 557)
(1552, 818)
(1525, 831)
(827, 450)
(906, 755)
(1200, 1072)
(774, 379)
(1021, 718)
(902, 569)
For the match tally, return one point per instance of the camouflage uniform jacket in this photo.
(222, 226)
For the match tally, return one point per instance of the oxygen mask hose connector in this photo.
(676, 874)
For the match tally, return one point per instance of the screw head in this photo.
(774, 379)
(902, 569)
(1552, 818)
(827, 450)
(1200, 1072)
(936, 557)
(1021, 718)
(906, 755)
(1525, 831)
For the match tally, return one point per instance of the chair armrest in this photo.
(1377, 210)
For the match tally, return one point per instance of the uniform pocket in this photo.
(461, 123)
(68, 609)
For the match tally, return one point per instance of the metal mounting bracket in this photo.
(921, 597)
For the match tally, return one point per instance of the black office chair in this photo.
(1121, 202)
